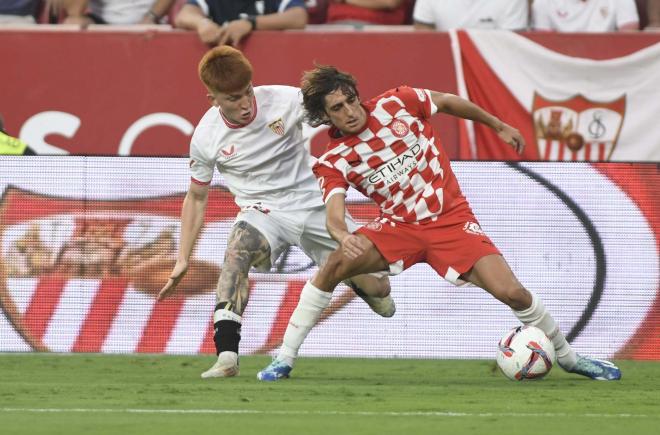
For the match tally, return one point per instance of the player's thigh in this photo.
(315, 241)
(339, 267)
(258, 235)
(493, 274)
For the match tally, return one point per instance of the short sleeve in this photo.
(288, 4)
(416, 101)
(200, 4)
(330, 179)
(626, 13)
(201, 169)
(423, 12)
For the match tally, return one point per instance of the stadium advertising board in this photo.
(85, 243)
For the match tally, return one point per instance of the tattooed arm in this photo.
(245, 248)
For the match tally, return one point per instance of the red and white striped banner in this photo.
(567, 108)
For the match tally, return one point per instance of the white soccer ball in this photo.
(525, 352)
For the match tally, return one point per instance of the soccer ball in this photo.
(525, 352)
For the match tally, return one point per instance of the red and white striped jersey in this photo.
(394, 160)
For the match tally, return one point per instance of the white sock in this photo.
(537, 315)
(308, 311)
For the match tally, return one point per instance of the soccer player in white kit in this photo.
(254, 137)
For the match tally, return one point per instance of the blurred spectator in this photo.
(12, 146)
(471, 14)
(317, 11)
(585, 15)
(367, 12)
(18, 11)
(653, 13)
(85, 12)
(229, 21)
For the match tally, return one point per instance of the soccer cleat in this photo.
(225, 367)
(382, 306)
(597, 369)
(275, 371)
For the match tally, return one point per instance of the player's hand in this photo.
(513, 137)
(82, 21)
(210, 32)
(353, 246)
(235, 31)
(179, 271)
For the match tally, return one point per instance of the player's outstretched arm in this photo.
(192, 218)
(457, 106)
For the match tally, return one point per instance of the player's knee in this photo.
(335, 269)
(237, 260)
(517, 297)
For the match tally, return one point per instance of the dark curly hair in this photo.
(319, 82)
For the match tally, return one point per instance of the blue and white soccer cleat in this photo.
(275, 371)
(597, 369)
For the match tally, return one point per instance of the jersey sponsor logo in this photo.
(227, 152)
(399, 128)
(577, 128)
(277, 127)
(400, 166)
(473, 228)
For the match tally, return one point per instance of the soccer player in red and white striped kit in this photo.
(386, 149)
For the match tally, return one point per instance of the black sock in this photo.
(227, 333)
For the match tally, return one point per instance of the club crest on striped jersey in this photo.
(277, 127)
(577, 129)
(399, 128)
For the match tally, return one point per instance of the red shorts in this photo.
(450, 248)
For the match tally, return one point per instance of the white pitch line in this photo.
(355, 413)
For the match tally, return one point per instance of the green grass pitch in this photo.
(90, 394)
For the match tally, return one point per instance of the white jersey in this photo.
(120, 11)
(583, 16)
(265, 162)
(472, 14)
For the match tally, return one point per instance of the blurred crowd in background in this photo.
(220, 22)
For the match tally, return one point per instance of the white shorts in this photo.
(303, 228)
